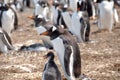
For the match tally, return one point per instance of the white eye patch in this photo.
(40, 16)
(41, 29)
(56, 1)
(94, 0)
(54, 28)
(80, 2)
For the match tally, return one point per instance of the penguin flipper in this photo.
(45, 67)
(6, 41)
(67, 54)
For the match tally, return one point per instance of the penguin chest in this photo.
(106, 8)
(106, 14)
(8, 21)
(76, 25)
(60, 49)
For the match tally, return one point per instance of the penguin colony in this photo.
(62, 24)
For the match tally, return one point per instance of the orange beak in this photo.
(44, 33)
(31, 17)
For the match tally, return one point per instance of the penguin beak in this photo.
(44, 33)
(31, 17)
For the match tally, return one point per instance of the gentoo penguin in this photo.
(19, 5)
(106, 14)
(85, 5)
(41, 7)
(8, 18)
(66, 48)
(85, 9)
(80, 25)
(77, 22)
(46, 39)
(33, 47)
(10, 5)
(5, 42)
(51, 71)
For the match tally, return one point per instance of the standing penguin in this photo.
(77, 22)
(51, 71)
(8, 18)
(66, 48)
(106, 14)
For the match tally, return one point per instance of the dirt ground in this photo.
(100, 57)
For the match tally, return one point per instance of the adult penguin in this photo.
(51, 71)
(8, 18)
(65, 46)
(80, 25)
(45, 39)
(106, 14)
(67, 50)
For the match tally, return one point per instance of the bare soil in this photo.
(100, 57)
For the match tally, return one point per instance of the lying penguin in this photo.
(65, 46)
(33, 47)
(51, 71)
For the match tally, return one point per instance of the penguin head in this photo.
(38, 19)
(53, 31)
(43, 3)
(49, 55)
(82, 5)
(57, 3)
(45, 28)
(4, 7)
(49, 30)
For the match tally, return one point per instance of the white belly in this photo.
(60, 50)
(76, 25)
(8, 21)
(67, 19)
(106, 14)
